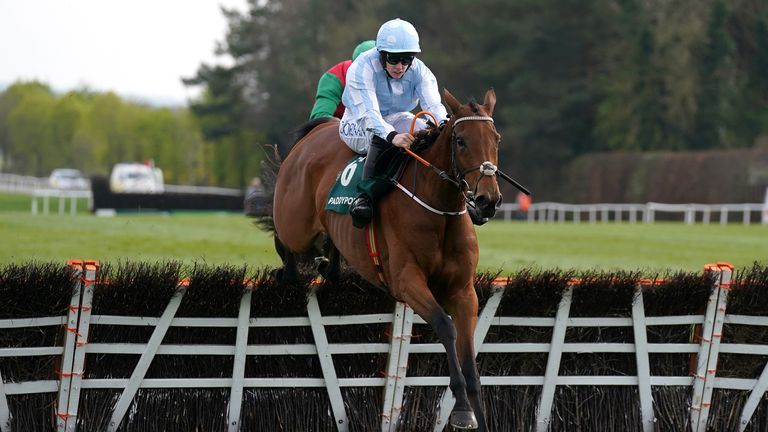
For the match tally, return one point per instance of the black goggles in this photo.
(404, 60)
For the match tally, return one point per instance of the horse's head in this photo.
(475, 150)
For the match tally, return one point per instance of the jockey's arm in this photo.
(428, 93)
(328, 96)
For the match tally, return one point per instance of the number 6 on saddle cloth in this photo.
(389, 167)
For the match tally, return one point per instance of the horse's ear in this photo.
(490, 101)
(453, 104)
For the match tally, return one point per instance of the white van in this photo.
(134, 177)
(68, 179)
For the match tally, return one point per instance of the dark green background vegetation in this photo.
(573, 77)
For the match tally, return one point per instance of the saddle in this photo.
(389, 169)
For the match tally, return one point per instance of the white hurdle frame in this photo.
(71, 382)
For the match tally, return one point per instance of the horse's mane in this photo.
(424, 139)
(474, 106)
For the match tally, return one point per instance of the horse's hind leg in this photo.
(289, 272)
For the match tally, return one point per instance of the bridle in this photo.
(487, 168)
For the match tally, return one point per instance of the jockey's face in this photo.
(396, 71)
(397, 64)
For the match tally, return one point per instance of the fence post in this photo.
(390, 378)
(132, 387)
(706, 370)
(83, 328)
(755, 396)
(553, 361)
(650, 216)
(326, 363)
(643, 363)
(401, 366)
(238, 368)
(66, 416)
(5, 413)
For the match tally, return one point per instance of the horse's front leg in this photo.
(414, 291)
(463, 308)
(330, 267)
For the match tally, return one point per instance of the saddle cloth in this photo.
(389, 167)
(345, 189)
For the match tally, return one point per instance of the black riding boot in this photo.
(361, 208)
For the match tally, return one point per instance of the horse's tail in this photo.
(269, 168)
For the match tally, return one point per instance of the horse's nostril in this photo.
(486, 207)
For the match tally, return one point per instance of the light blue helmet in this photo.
(397, 36)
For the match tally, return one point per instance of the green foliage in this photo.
(571, 76)
(41, 131)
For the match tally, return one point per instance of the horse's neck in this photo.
(441, 192)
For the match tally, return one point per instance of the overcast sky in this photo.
(139, 49)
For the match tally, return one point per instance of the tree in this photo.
(31, 147)
(41, 131)
(717, 84)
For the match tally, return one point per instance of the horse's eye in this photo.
(460, 142)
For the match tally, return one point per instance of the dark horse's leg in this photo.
(418, 296)
(472, 377)
(330, 267)
(462, 307)
(463, 416)
(289, 272)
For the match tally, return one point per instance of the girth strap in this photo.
(373, 253)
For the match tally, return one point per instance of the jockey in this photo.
(331, 85)
(383, 86)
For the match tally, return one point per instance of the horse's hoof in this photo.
(463, 420)
(321, 263)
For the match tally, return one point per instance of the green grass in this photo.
(16, 202)
(232, 239)
(23, 203)
(623, 246)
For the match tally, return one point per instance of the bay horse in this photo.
(428, 256)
